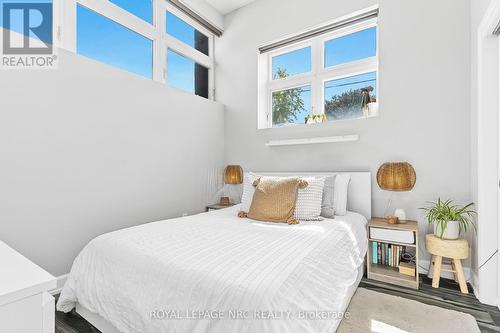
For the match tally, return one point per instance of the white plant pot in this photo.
(372, 109)
(452, 230)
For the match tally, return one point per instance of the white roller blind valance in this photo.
(358, 18)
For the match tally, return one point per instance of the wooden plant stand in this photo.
(456, 250)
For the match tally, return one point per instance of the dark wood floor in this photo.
(447, 296)
(72, 323)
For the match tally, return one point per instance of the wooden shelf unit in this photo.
(386, 273)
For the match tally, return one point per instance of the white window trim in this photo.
(318, 75)
(65, 25)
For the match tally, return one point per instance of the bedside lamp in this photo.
(396, 177)
(233, 175)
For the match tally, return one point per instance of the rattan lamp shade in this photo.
(233, 174)
(396, 176)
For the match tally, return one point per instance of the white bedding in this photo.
(217, 262)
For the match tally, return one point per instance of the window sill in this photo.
(309, 141)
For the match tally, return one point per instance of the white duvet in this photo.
(215, 272)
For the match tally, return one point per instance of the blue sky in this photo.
(295, 62)
(180, 71)
(140, 8)
(101, 39)
(356, 46)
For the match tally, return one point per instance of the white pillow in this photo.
(327, 206)
(340, 194)
(248, 190)
(309, 199)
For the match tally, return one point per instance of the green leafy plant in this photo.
(441, 212)
(315, 118)
(287, 104)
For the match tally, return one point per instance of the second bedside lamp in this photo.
(397, 177)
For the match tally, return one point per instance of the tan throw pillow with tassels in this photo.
(274, 199)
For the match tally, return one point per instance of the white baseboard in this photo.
(474, 283)
(424, 264)
(61, 280)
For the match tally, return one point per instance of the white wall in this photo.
(205, 10)
(484, 136)
(424, 56)
(88, 148)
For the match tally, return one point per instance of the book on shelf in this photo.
(374, 252)
(379, 254)
(386, 254)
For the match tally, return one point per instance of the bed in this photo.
(215, 272)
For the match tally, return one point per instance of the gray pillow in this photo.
(327, 207)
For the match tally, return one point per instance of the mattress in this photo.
(214, 272)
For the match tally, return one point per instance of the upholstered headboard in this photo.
(359, 198)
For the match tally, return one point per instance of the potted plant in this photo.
(449, 219)
(315, 118)
(369, 103)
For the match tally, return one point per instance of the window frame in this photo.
(65, 25)
(319, 74)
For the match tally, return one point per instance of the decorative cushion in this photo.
(341, 188)
(274, 199)
(327, 204)
(309, 199)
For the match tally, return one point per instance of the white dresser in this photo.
(25, 304)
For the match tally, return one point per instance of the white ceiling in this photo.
(226, 6)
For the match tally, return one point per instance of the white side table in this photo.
(25, 304)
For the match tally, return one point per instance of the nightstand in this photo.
(386, 245)
(25, 304)
(217, 207)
